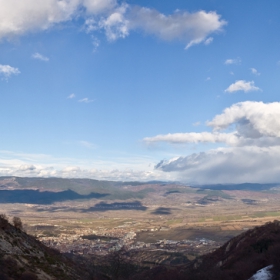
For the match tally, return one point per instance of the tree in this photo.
(17, 223)
(4, 221)
(119, 265)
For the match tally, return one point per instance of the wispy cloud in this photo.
(87, 145)
(95, 43)
(196, 124)
(86, 100)
(7, 71)
(255, 71)
(208, 41)
(71, 96)
(40, 57)
(232, 61)
(36, 165)
(242, 85)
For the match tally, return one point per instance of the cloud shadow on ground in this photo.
(103, 206)
(162, 211)
(46, 197)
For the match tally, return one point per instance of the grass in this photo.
(240, 217)
(266, 214)
(176, 221)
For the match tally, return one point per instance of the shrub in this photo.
(4, 221)
(28, 276)
(17, 223)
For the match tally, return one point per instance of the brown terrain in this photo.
(158, 223)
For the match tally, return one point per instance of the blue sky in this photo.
(140, 90)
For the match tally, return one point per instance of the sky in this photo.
(141, 90)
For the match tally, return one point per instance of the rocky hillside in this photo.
(243, 255)
(23, 257)
(238, 259)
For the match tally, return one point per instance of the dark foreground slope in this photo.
(238, 259)
(23, 257)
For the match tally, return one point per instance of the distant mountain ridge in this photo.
(243, 186)
(76, 183)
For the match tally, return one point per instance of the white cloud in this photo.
(37, 165)
(40, 57)
(193, 137)
(86, 100)
(255, 71)
(96, 7)
(27, 167)
(191, 28)
(71, 96)
(116, 25)
(254, 123)
(233, 61)
(252, 119)
(20, 17)
(252, 153)
(242, 85)
(208, 79)
(117, 19)
(228, 165)
(209, 41)
(7, 71)
(79, 172)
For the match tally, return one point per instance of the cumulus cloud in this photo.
(238, 165)
(254, 123)
(86, 100)
(252, 151)
(242, 85)
(7, 71)
(116, 25)
(116, 19)
(232, 61)
(252, 119)
(40, 57)
(20, 17)
(192, 28)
